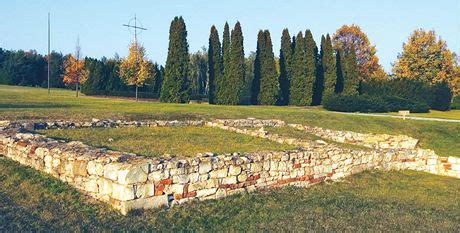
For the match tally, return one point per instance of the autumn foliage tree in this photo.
(135, 69)
(426, 57)
(368, 62)
(74, 69)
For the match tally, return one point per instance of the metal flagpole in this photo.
(49, 55)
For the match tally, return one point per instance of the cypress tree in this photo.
(340, 70)
(234, 78)
(222, 89)
(286, 53)
(226, 46)
(176, 88)
(255, 87)
(267, 80)
(299, 74)
(215, 68)
(351, 80)
(319, 81)
(311, 52)
(328, 66)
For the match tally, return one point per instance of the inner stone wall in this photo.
(127, 181)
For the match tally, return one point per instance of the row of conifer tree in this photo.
(302, 75)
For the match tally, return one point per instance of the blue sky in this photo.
(99, 23)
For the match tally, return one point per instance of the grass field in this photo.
(157, 141)
(24, 103)
(452, 114)
(370, 201)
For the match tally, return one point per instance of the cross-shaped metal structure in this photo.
(135, 28)
(135, 41)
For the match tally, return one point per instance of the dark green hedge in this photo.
(368, 103)
(358, 103)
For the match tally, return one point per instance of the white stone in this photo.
(177, 188)
(159, 175)
(105, 186)
(132, 175)
(205, 167)
(221, 173)
(229, 180)
(122, 192)
(91, 185)
(111, 171)
(205, 192)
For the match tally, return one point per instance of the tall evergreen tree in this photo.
(214, 65)
(318, 88)
(311, 52)
(176, 88)
(328, 66)
(351, 79)
(286, 53)
(266, 85)
(221, 88)
(255, 87)
(340, 70)
(235, 74)
(297, 82)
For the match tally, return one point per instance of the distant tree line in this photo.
(302, 74)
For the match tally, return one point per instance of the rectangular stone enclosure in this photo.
(127, 181)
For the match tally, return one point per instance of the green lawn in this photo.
(452, 114)
(34, 103)
(370, 201)
(157, 141)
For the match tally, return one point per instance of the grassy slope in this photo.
(34, 103)
(183, 141)
(369, 201)
(452, 114)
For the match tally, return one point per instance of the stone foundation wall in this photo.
(127, 181)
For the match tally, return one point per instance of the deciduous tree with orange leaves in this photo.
(135, 68)
(74, 69)
(368, 62)
(426, 57)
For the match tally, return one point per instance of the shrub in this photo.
(455, 103)
(396, 103)
(355, 103)
(442, 96)
(413, 90)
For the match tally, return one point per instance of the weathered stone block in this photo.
(131, 175)
(204, 167)
(221, 173)
(234, 170)
(111, 170)
(122, 192)
(230, 180)
(105, 186)
(206, 192)
(158, 175)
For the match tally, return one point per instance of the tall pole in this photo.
(137, 51)
(49, 55)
